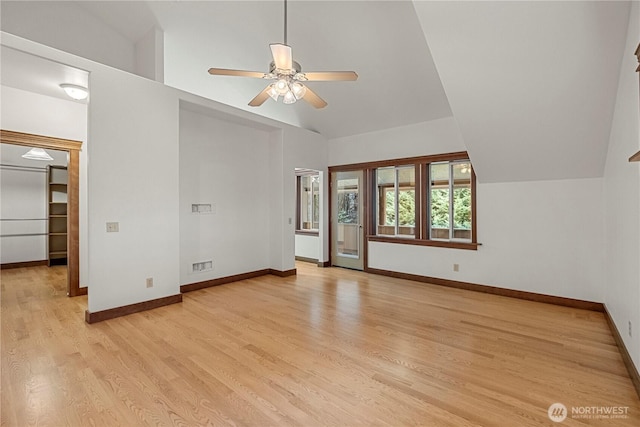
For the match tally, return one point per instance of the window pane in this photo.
(315, 187)
(439, 200)
(348, 201)
(389, 217)
(406, 201)
(462, 201)
(396, 204)
(348, 216)
(309, 202)
(386, 212)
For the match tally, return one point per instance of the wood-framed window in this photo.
(396, 201)
(308, 204)
(428, 201)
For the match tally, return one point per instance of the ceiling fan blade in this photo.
(281, 56)
(260, 98)
(331, 75)
(238, 73)
(313, 99)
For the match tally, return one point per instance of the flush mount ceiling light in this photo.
(37, 154)
(288, 76)
(74, 91)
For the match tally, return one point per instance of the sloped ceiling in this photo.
(381, 40)
(532, 85)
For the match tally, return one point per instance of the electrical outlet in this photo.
(149, 282)
(630, 328)
(113, 227)
(456, 267)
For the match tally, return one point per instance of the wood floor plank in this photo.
(325, 347)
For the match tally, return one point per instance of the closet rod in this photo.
(23, 219)
(33, 168)
(24, 235)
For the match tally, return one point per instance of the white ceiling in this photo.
(381, 40)
(532, 85)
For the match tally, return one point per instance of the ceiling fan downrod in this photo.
(285, 21)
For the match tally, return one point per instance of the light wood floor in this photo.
(328, 347)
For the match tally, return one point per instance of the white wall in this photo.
(622, 201)
(149, 55)
(222, 163)
(307, 246)
(30, 112)
(542, 236)
(434, 137)
(133, 180)
(539, 236)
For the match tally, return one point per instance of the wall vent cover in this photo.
(199, 267)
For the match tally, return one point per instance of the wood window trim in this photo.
(73, 195)
(307, 233)
(422, 208)
(453, 244)
(300, 231)
(636, 157)
(406, 161)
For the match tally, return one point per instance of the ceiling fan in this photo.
(288, 76)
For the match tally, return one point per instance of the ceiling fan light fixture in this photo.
(289, 98)
(272, 92)
(288, 76)
(282, 86)
(299, 90)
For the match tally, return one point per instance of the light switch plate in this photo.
(113, 227)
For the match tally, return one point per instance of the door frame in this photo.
(365, 215)
(73, 194)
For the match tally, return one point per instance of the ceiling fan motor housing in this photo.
(295, 69)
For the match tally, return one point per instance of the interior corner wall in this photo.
(222, 164)
(277, 218)
(149, 55)
(622, 200)
(307, 150)
(532, 233)
(37, 114)
(133, 180)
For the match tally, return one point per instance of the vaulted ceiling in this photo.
(531, 85)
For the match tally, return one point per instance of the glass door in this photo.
(347, 237)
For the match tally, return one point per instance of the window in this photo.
(449, 201)
(308, 203)
(424, 201)
(396, 201)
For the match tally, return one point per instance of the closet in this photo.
(57, 198)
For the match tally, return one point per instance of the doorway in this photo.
(73, 191)
(347, 219)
